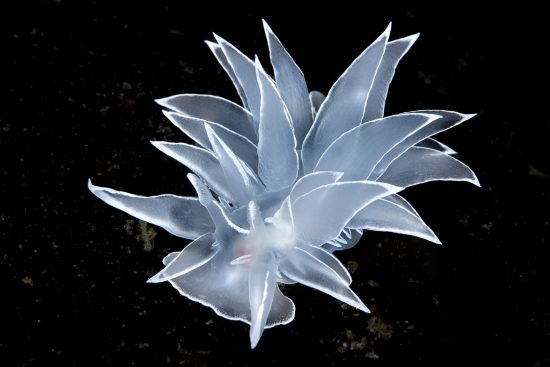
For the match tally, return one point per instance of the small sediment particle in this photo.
(147, 236)
(379, 328)
(28, 281)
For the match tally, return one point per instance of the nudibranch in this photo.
(288, 178)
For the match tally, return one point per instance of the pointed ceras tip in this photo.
(154, 279)
(267, 28)
(387, 30)
(219, 39)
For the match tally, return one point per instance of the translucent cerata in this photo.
(288, 178)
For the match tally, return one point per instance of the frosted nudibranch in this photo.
(288, 178)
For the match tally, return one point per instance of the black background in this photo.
(78, 81)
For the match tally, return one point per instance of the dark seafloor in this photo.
(77, 83)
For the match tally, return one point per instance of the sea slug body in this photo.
(288, 178)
